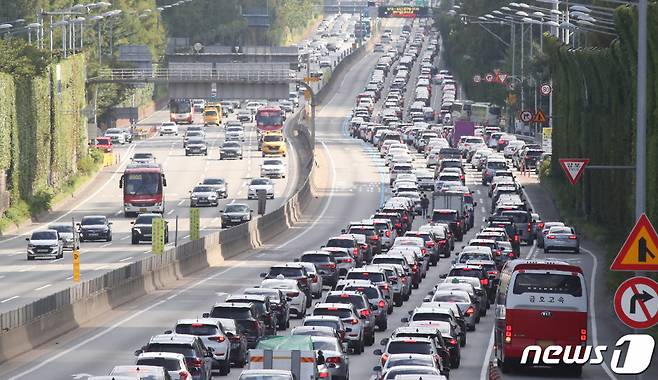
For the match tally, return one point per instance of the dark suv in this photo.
(95, 227)
(197, 356)
(278, 304)
(325, 263)
(264, 309)
(245, 315)
(453, 219)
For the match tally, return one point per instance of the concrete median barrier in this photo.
(34, 324)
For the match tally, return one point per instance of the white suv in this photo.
(168, 128)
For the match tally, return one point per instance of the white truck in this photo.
(289, 353)
(454, 200)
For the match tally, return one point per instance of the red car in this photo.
(104, 144)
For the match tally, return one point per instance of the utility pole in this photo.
(641, 112)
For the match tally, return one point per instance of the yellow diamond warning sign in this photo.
(640, 251)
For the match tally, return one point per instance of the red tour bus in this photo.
(269, 119)
(143, 188)
(539, 303)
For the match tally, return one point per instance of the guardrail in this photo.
(34, 324)
(192, 75)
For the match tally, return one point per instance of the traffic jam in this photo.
(415, 278)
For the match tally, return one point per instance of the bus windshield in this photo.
(269, 118)
(180, 106)
(142, 184)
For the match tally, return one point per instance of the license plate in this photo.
(544, 343)
(142, 209)
(235, 220)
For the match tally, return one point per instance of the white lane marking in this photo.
(9, 299)
(592, 309)
(487, 356)
(2, 276)
(126, 259)
(484, 210)
(27, 268)
(78, 204)
(125, 237)
(101, 267)
(118, 213)
(170, 212)
(181, 202)
(105, 245)
(184, 237)
(69, 278)
(326, 205)
(54, 261)
(43, 287)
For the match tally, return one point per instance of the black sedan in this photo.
(142, 229)
(95, 227)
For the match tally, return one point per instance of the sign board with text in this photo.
(157, 235)
(403, 11)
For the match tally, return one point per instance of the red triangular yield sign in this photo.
(574, 168)
(640, 250)
(501, 77)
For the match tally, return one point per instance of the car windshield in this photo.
(362, 231)
(260, 181)
(340, 243)
(548, 283)
(238, 313)
(191, 134)
(430, 317)
(143, 183)
(203, 189)
(231, 144)
(210, 113)
(142, 156)
(465, 272)
(92, 221)
(286, 272)
(195, 140)
(315, 258)
(444, 217)
(44, 235)
(450, 298)
(185, 349)
(326, 345)
(474, 256)
(341, 313)
(272, 162)
(272, 138)
(357, 301)
(518, 216)
(213, 181)
(370, 292)
(497, 165)
(196, 329)
(236, 208)
(62, 228)
(166, 363)
(409, 346)
(425, 361)
(146, 219)
(372, 276)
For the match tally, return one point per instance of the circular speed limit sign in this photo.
(545, 89)
(477, 78)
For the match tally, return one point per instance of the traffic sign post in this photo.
(574, 168)
(489, 77)
(477, 78)
(501, 77)
(636, 302)
(526, 116)
(640, 250)
(157, 235)
(76, 265)
(545, 89)
(539, 117)
(194, 223)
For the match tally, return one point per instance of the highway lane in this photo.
(109, 341)
(35, 279)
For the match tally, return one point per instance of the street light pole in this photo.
(641, 116)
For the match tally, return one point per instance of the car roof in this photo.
(173, 339)
(204, 321)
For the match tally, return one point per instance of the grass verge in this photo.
(43, 200)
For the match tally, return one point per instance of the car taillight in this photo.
(183, 375)
(375, 238)
(508, 334)
(388, 234)
(573, 237)
(385, 286)
(540, 225)
(470, 311)
(405, 217)
(356, 252)
(516, 238)
(324, 375)
(404, 280)
(365, 312)
(550, 237)
(217, 338)
(583, 335)
(354, 321)
(484, 281)
(398, 225)
(498, 252)
(492, 272)
(384, 358)
(529, 227)
(348, 260)
(453, 341)
(423, 251)
(315, 279)
(442, 242)
(459, 223)
(334, 359)
(330, 266)
(511, 254)
(381, 304)
(429, 244)
(292, 294)
(196, 363)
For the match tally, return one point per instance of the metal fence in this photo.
(194, 75)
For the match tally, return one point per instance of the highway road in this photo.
(32, 280)
(356, 183)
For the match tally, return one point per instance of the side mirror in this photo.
(77, 224)
(139, 352)
(168, 332)
(296, 260)
(205, 315)
(377, 368)
(342, 231)
(27, 239)
(383, 342)
(221, 211)
(110, 223)
(348, 329)
(229, 334)
(377, 352)
(475, 204)
(404, 320)
(410, 312)
(443, 275)
(288, 299)
(262, 275)
(322, 246)
(251, 210)
(427, 299)
(210, 349)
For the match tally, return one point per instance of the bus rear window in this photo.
(548, 283)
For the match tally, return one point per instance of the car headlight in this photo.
(212, 197)
(30, 246)
(194, 197)
(54, 246)
(137, 230)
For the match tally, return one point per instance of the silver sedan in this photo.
(335, 356)
(562, 239)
